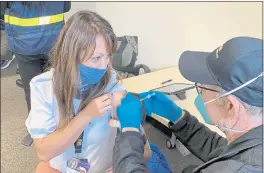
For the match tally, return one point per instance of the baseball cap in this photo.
(229, 66)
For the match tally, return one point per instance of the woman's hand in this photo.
(98, 106)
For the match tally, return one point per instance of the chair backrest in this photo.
(125, 57)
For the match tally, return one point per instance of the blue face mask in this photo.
(90, 76)
(201, 108)
(200, 105)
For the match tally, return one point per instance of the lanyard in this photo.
(78, 143)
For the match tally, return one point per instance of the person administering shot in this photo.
(229, 84)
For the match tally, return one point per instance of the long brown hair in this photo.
(78, 35)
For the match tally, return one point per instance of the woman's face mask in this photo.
(94, 66)
(90, 76)
(201, 106)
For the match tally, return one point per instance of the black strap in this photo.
(78, 144)
(78, 147)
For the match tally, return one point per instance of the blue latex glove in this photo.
(129, 112)
(161, 105)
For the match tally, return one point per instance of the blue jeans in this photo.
(158, 162)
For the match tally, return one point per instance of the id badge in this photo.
(75, 165)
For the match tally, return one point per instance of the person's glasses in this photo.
(201, 89)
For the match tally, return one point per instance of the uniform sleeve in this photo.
(41, 121)
(118, 87)
(113, 80)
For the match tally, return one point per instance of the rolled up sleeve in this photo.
(113, 82)
(118, 87)
(41, 121)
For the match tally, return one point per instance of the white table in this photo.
(153, 80)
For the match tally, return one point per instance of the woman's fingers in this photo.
(104, 97)
(105, 103)
(114, 123)
(105, 109)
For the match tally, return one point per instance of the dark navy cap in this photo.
(228, 66)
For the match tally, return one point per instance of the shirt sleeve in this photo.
(41, 121)
(118, 87)
(113, 80)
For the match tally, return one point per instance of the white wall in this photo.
(166, 29)
(78, 6)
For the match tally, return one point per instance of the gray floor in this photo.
(17, 158)
(14, 156)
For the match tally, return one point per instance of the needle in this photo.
(147, 97)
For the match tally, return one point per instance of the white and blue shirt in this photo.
(43, 119)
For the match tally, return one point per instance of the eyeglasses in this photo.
(200, 89)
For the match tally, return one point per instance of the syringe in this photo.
(116, 123)
(147, 97)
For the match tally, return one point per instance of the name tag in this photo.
(75, 165)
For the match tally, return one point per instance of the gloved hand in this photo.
(129, 112)
(161, 105)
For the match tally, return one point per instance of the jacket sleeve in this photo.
(230, 166)
(67, 6)
(128, 153)
(198, 138)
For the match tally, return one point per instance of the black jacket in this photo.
(241, 156)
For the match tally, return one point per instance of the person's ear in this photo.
(232, 106)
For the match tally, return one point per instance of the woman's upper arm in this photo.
(41, 121)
